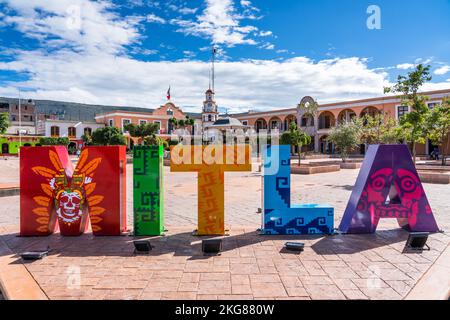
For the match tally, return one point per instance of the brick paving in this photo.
(251, 267)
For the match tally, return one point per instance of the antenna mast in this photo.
(212, 66)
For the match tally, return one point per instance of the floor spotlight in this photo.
(294, 246)
(34, 255)
(212, 246)
(142, 246)
(417, 241)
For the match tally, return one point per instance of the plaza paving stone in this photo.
(251, 266)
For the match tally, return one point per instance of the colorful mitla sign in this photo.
(55, 193)
(388, 186)
(280, 216)
(148, 192)
(210, 162)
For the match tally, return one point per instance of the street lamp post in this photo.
(20, 124)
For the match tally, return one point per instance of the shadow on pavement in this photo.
(186, 244)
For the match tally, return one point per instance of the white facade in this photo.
(77, 127)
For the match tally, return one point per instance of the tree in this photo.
(50, 141)
(413, 124)
(4, 122)
(107, 136)
(156, 141)
(295, 137)
(142, 131)
(438, 122)
(346, 137)
(87, 139)
(380, 129)
(182, 122)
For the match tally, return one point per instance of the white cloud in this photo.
(442, 70)
(81, 24)
(92, 65)
(187, 10)
(268, 46)
(405, 66)
(265, 33)
(154, 18)
(119, 80)
(219, 22)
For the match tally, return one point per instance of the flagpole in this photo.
(213, 54)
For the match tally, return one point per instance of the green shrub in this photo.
(50, 141)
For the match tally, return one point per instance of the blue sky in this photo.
(270, 53)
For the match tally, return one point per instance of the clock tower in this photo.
(209, 112)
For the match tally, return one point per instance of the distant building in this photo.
(161, 115)
(222, 127)
(331, 114)
(73, 130)
(24, 119)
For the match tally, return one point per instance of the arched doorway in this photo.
(260, 124)
(72, 147)
(5, 148)
(346, 116)
(325, 146)
(275, 123)
(307, 121)
(288, 120)
(371, 111)
(326, 120)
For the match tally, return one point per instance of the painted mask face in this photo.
(69, 206)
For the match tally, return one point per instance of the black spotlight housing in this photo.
(211, 246)
(34, 255)
(417, 241)
(294, 246)
(142, 246)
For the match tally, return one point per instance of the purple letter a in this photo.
(388, 186)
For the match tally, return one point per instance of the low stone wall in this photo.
(306, 169)
(434, 177)
(350, 165)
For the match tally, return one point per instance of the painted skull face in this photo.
(69, 206)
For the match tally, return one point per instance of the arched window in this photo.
(72, 132)
(54, 131)
(88, 131)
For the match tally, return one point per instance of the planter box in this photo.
(434, 177)
(305, 169)
(350, 165)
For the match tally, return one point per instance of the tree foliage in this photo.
(108, 136)
(413, 124)
(438, 122)
(295, 137)
(49, 141)
(380, 129)
(346, 137)
(143, 131)
(4, 122)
